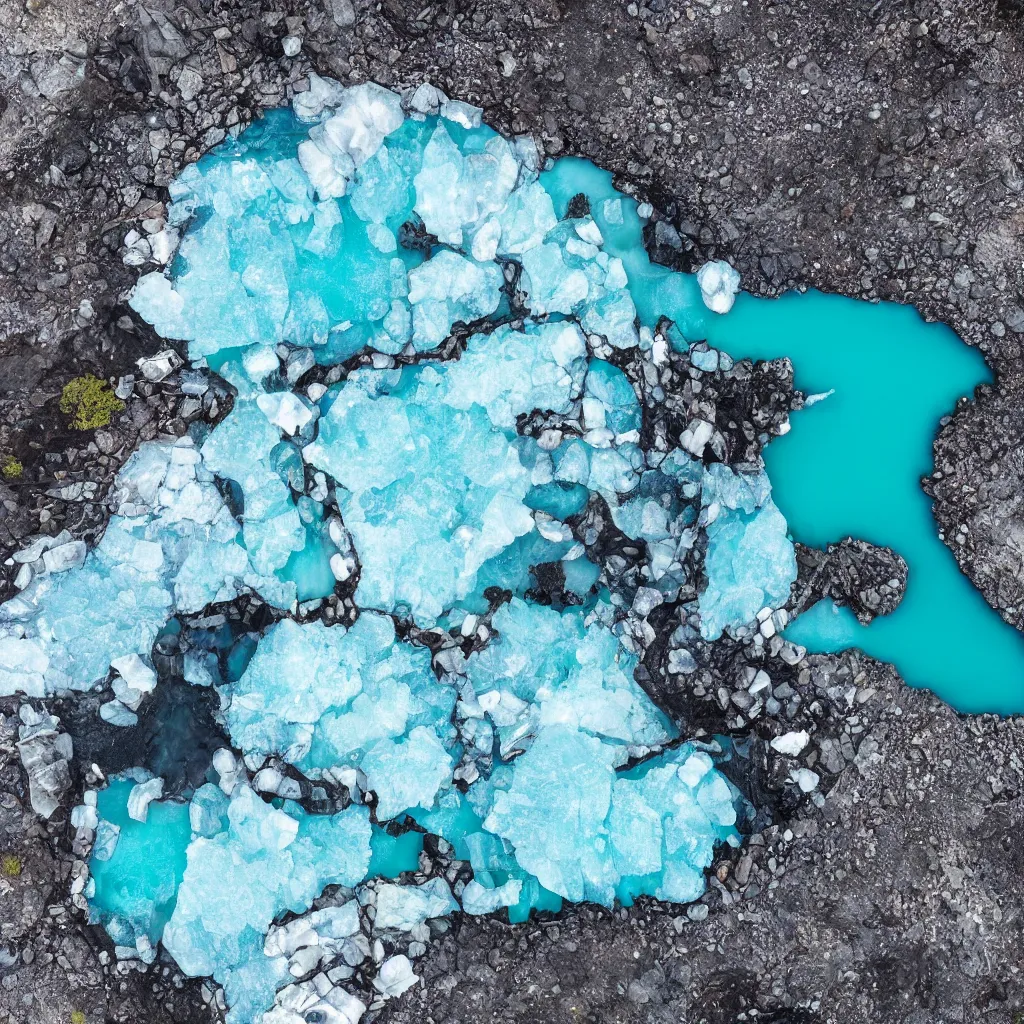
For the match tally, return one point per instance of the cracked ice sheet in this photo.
(171, 546)
(433, 480)
(584, 831)
(750, 562)
(238, 882)
(326, 698)
(430, 466)
(549, 668)
(279, 223)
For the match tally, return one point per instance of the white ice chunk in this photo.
(23, 665)
(403, 907)
(65, 556)
(719, 283)
(478, 900)
(464, 114)
(791, 743)
(141, 796)
(427, 99)
(322, 93)
(135, 672)
(286, 410)
(395, 977)
(115, 713)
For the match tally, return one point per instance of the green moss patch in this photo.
(90, 402)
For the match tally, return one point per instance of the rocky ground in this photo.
(870, 148)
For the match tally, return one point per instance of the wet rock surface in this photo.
(870, 149)
(870, 580)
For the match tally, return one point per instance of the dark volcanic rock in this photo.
(867, 579)
(868, 148)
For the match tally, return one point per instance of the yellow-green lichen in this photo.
(77, 1017)
(10, 865)
(10, 467)
(90, 402)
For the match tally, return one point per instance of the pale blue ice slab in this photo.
(236, 883)
(323, 697)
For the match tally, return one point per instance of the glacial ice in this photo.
(433, 421)
(750, 561)
(428, 497)
(719, 283)
(241, 449)
(141, 796)
(478, 899)
(405, 906)
(362, 117)
(548, 668)
(239, 881)
(583, 830)
(171, 546)
(458, 191)
(395, 976)
(447, 289)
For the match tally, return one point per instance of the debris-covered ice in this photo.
(441, 478)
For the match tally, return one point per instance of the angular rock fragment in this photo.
(45, 753)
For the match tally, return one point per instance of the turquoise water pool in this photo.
(851, 464)
(137, 886)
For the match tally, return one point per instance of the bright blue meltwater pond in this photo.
(852, 465)
(853, 462)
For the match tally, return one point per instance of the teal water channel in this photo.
(852, 463)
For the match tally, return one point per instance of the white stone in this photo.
(791, 743)
(159, 367)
